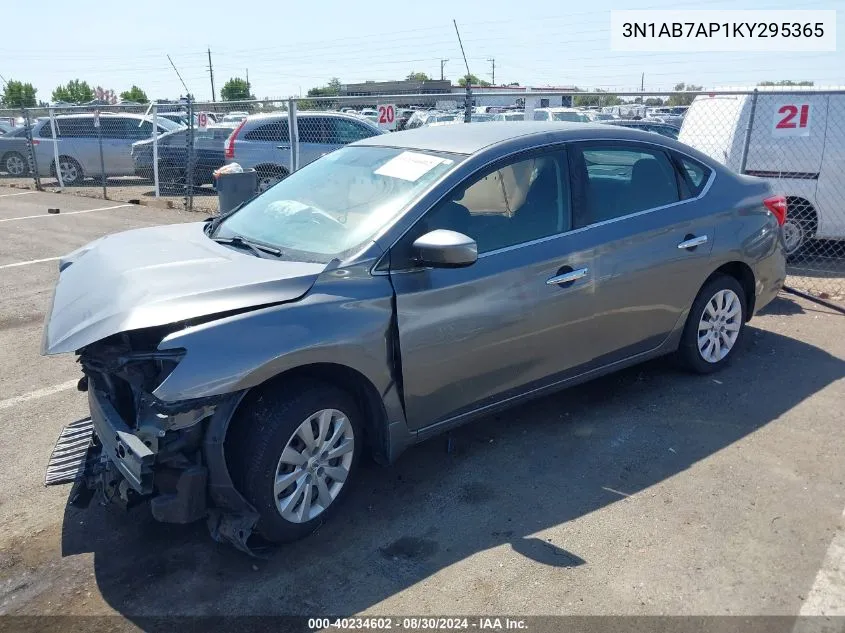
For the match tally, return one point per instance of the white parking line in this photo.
(39, 393)
(32, 261)
(59, 215)
(22, 193)
(827, 596)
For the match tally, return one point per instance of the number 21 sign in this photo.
(792, 119)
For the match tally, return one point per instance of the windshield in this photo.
(338, 202)
(569, 116)
(167, 124)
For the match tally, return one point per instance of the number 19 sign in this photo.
(791, 119)
(387, 116)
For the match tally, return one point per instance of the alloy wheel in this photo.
(314, 466)
(719, 326)
(15, 165)
(69, 171)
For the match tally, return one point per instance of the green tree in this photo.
(785, 82)
(236, 89)
(473, 81)
(331, 89)
(513, 84)
(415, 76)
(17, 94)
(598, 98)
(654, 101)
(682, 100)
(75, 91)
(134, 94)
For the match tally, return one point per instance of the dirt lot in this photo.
(650, 492)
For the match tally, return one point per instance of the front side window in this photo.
(338, 202)
(611, 180)
(343, 131)
(516, 203)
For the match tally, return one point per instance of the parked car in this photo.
(648, 125)
(173, 155)
(595, 116)
(177, 117)
(509, 116)
(560, 114)
(234, 117)
(79, 145)
(13, 153)
(238, 369)
(796, 143)
(370, 114)
(6, 127)
(262, 141)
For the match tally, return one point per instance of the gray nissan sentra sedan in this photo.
(238, 369)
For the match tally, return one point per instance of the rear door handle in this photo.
(567, 278)
(283, 146)
(692, 242)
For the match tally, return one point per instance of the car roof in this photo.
(471, 138)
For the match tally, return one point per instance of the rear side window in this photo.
(277, 132)
(311, 129)
(82, 127)
(612, 180)
(113, 127)
(693, 174)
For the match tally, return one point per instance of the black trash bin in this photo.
(233, 189)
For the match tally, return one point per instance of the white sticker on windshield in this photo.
(410, 166)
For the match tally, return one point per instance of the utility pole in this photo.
(493, 75)
(211, 74)
(642, 83)
(442, 64)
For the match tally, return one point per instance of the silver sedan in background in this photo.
(238, 369)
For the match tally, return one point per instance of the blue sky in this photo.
(289, 47)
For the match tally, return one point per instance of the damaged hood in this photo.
(160, 275)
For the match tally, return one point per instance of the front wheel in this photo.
(15, 164)
(292, 453)
(714, 326)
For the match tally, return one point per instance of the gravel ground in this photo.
(649, 492)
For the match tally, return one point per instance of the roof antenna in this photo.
(188, 95)
(468, 98)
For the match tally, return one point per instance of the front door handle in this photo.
(568, 277)
(692, 242)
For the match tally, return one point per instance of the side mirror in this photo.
(445, 249)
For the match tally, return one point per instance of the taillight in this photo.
(777, 205)
(229, 149)
(35, 141)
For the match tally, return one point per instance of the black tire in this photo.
(77, 170)
(15, 164)
(688, 354)
(800, 228)
(259, 432)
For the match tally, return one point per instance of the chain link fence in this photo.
(168, 153)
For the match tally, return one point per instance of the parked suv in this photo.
(79, 147)
(262, 141)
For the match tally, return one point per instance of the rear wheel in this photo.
(15, 164)
(292, 453)
(714, 326)
(269, 176)
(70, 169)
(799, 228)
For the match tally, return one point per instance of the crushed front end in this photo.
(136, 448)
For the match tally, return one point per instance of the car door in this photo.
(77, 138)
(512, 321)
(640, 221)
(117, 145)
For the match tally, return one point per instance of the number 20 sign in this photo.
(387, 116)
(792, 119)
